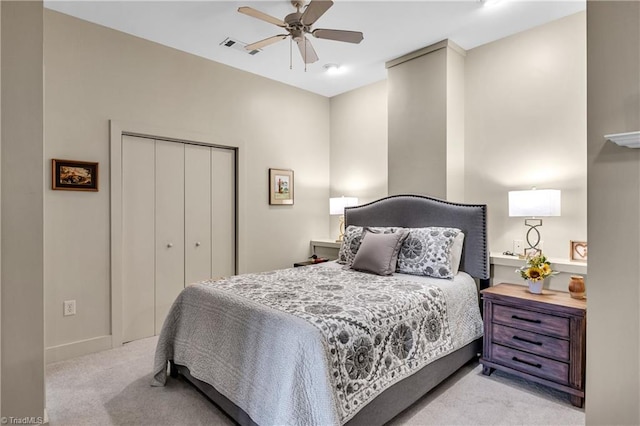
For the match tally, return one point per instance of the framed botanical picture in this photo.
(74, 175)
(280, 186)
(578, 250)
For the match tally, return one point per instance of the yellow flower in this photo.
(546, 270)
(534, 273)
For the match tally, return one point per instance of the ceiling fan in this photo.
(298, 24)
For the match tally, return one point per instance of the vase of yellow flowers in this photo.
(535, 271)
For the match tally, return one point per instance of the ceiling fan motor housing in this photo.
(295, 25)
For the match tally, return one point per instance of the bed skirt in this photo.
(383, 408)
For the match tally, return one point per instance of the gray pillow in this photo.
(378, 252)
(351, 241)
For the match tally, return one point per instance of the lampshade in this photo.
(534, 203)
(337, 204)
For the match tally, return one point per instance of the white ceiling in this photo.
(391, 29)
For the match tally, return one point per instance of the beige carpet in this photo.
(112, 388)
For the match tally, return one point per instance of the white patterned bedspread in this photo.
(313, 345)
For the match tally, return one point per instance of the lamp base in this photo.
(341, 229)
(533, 225)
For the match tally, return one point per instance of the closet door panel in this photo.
(197, 213)
(138, 238)
(223, 212)
(169, 212)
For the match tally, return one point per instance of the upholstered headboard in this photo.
(416, 211)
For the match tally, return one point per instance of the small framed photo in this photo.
(74, 175)
(578, 250)
(280, 186)
(531, 252)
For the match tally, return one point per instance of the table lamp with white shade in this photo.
(337, 206)
(534, 203)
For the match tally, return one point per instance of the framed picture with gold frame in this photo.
(578, 251)
(72, 175)
(280, 186)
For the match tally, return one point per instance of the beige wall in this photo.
(0, 208)
(359, 146)
(417, 102)
(511, 86)
(526, 126)
(94, 74)
(613, 341)
(455, 158)
(21, 143)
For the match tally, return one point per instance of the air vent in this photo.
(238, 45)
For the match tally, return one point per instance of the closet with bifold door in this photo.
(178, 225)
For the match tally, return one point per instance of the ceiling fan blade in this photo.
(338, 35)
(315, 10)
(261, 15)
(307, 51)
(266, 42)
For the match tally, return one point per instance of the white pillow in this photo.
(456, 252)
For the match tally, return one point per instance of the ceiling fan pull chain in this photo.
(290, 53)
(304, 40)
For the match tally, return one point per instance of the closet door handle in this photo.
(197, 243)
(170, 245)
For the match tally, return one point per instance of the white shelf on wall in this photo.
(326, 243)
(630, 139)
(560, 265)
(325, 248)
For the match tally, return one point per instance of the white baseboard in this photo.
(74, 349)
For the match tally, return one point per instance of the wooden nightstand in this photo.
(537, 337)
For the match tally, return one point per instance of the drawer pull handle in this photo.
(525, 319)
(527, 340)
(515, 358)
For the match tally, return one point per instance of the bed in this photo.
(327, 344)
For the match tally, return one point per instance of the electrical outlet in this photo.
(69, 307)
(518, 246)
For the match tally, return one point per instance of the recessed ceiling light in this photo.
(492, 3)
(333, 68)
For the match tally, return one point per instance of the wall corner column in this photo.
(22, 210)
(426, 122)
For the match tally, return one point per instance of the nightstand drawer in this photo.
(532, 364)
(538, 344)
(532, 321)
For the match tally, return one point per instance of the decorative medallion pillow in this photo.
(427, 251)
(378, 252)
(350, 244)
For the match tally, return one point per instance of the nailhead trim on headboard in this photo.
(414, 211)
